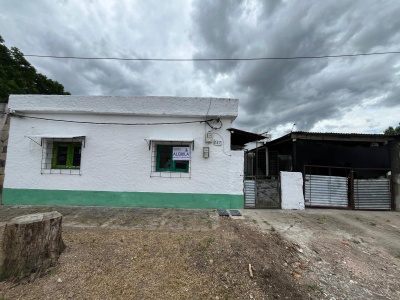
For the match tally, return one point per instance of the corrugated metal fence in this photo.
(326, 191)
(372, 194)
(249, 194)
(346, 191)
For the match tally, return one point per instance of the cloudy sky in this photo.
(358, 94)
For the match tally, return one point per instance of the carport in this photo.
(352, 171)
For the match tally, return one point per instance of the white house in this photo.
(122, 151)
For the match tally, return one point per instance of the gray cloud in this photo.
(273, 94)
(302, 91)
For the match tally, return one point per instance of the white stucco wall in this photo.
(292, 190)
(117, 158)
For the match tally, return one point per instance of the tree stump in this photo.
(32, 245)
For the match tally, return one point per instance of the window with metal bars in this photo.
(164, 165)
(61, 156)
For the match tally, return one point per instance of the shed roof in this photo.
(331, 136)
(241, 137)
(126, 105)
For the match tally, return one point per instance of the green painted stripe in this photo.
(131, 199)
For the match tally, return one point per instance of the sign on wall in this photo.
(180, 153)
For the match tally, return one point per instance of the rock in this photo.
(59, 280)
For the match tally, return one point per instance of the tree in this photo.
(31, 246)
(392, 131)
(18, 76)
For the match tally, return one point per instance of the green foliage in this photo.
(392, 131)
(18, 76)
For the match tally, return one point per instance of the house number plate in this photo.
(217, 143)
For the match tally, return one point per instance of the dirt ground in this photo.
(132, 253)
(351, 254)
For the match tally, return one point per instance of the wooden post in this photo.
(31, 246)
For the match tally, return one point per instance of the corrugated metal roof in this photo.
(356, 137)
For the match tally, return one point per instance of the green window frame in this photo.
(165, 163)
(66, 156)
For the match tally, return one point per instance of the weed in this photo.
(266, 222)
(202, 247)
(209, 224)
(2, 296)
(273, 228)
(314, 288)
(372, 223)
(356, 241)
(254, 221)
(51, 271)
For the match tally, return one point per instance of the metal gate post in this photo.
(351, 192)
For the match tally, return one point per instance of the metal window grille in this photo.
(168, 174)
(47, 156)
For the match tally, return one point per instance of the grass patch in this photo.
(209, 224)
(314, 288)
(203, 246)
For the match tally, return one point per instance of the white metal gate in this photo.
(372, 194)
(329, 191)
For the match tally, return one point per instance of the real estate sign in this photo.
(181, 153)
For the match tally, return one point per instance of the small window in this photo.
(165, 162)
(66, 156)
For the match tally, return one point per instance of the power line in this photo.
(212, 59)
(110, 123)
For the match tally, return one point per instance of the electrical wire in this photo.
(109, 123)
(213, 59)
(215, 128)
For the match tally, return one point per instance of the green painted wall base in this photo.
(131, 199)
